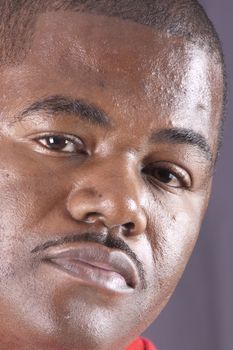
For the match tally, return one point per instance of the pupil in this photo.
(57, 142)
(165, 175)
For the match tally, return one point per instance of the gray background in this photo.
(200, 314)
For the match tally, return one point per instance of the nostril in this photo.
(92, 217)
(129, 226)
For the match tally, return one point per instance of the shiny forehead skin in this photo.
(172, 76)
(180, 18)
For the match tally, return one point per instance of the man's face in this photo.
(104, 182)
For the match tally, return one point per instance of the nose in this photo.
(109, 193)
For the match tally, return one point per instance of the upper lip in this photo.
(98, 256)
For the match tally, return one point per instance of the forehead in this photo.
(127, 68)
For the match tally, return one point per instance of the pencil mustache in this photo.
(93, 237)
(104, 239)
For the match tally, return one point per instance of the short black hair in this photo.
(184, 18)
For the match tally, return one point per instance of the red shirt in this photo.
(141, 344)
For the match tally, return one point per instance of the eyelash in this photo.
(180, 175)
(76, 141)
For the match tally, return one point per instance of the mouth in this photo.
(95, 265)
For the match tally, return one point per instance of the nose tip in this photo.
(112, 210)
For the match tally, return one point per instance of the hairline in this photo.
(214, 49)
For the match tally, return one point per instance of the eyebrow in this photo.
(184, 136)
(66, 105)
(58, 104)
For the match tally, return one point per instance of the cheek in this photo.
(29, 191)
(173, 230)
(178, 243)
(28, 196)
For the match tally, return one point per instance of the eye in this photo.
(62, 143)
(169, 175)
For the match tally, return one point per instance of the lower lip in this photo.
(91, 275)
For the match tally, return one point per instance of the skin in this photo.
(145, 82)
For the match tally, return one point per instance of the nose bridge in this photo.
(111, 189)
(119, 177)
(116, 182)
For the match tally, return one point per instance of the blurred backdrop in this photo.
(200, 314)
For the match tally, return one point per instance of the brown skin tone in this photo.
(145, 82)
